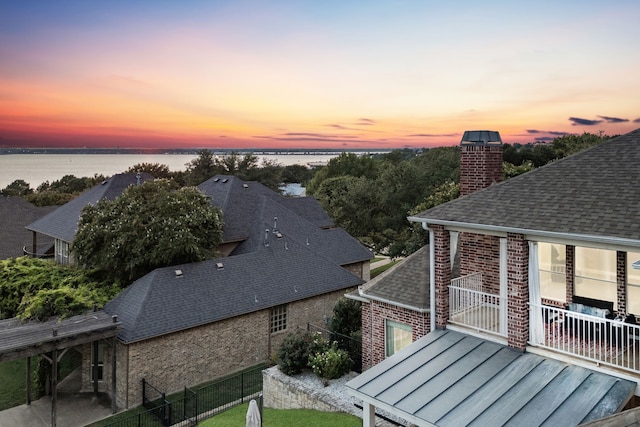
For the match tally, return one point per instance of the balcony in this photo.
(603, 341)
(472, 308)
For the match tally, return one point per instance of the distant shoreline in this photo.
(189, 151)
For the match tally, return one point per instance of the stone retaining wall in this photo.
(306, 391)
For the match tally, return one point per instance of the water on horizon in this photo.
(38, 168)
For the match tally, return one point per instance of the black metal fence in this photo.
(351, 345)
(193, 405)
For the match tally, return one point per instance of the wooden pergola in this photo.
(20, 339)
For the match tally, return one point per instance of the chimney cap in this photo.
(481, 137)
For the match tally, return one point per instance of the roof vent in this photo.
(104, 182)
(178, 273)
(278, 234)
(219, 265)
(216, 180)
(266, 237)
(481, 137)
(245, 185)
(224, 180)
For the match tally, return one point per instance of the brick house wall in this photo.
(481, 253)
(374, 315)
(194, 356)
(518, 291)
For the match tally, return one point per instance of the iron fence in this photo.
(192, 405)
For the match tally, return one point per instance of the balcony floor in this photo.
(483, 318)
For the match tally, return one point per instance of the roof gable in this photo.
(592, 193)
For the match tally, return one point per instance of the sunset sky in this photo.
(319, 73)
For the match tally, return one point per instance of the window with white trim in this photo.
(279, 318)
(552, 270)
(397, 336)
(595, 274)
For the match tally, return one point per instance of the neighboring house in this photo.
(283, 265)
(59, 227)
(537, 328)
(15, 214)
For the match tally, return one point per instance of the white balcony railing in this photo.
(472, 308)
(604, 341)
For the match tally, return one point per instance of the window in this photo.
(633, 283)
(62, 252)
(279, 318)
(398, 336)
(100, 360)
(595, 274)
(552, 270)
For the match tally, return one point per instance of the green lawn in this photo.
(12, 386)
(284, 417)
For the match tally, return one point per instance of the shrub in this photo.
(293, 354)
(330, 364)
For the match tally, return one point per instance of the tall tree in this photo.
(150, 225)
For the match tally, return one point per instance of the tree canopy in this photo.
(150, 225)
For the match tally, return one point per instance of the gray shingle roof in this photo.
(405, 283)
(334, 244)
(589, 195)
(62, 223)
(240, 199)
(15, 214)
(284, 271)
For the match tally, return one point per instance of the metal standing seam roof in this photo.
(449, 378)
(590, 194)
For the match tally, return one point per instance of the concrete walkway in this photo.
(74, 409)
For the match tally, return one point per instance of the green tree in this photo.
(156, 170)
(201, 168)
(346, 164)
(570, 144)
(150, 225)
(17, 188)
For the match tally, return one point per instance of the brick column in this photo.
(570, 252)
(621, 282)
(367, 344)
(442, 243)
(517, 291)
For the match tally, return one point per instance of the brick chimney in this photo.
(480, 160)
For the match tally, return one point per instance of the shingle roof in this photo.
(272, 219)
(284, 271)
(15, 214)
(589, 195)
(240, 199)
(405, 283)
(62, 223)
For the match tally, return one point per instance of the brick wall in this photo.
(480, 166)
(517, 290)
(481, 253)
(200, 354)
(374, 315)
(442, 270)
(360, 269)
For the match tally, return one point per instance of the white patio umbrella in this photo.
(253, 415)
